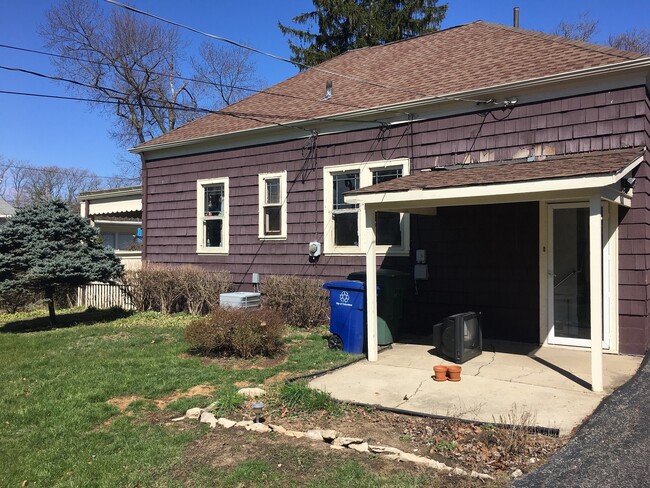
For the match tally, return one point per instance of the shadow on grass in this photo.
(87, 317)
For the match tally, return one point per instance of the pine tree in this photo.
(45, 246)
(349, 24)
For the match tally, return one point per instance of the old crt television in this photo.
(458, 337)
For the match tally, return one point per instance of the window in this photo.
(343, 220)
(273, 205)
(212, 216)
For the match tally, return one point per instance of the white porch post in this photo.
(371, 282)
(596, 292)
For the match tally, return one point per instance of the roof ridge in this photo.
(590, 46)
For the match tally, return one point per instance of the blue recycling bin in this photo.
(347, 323)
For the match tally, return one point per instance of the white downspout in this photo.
(371, 282)
(596, 292)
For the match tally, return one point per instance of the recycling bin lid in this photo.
(345, 285)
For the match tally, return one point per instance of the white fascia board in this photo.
(524, 190)
(401, 113)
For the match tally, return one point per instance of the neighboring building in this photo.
(494, 151)
(6, 211)
(118, 215)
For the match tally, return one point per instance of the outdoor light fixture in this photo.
(257, 410)
(628, 183)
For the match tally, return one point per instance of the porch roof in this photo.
(514, 179)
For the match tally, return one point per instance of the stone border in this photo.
(332, 437)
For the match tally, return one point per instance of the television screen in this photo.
(458, 337)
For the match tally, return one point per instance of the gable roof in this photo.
(469, 57)
(6, 210)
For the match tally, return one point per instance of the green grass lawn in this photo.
(56, 383)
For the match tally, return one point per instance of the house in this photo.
(6, 211)
(117, 213)
(507, 170)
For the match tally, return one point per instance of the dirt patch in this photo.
(198, 390)
(122, 403)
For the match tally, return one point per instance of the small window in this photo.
(343, 220)
(388, 224)
(212, 216)
(345, 215)
(273, 206)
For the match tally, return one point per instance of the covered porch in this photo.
(587, 188)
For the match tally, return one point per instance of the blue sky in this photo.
(70, 134)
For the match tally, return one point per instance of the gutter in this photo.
(623, 66)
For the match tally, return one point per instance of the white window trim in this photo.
(365, 179)
(282, 176)
(200, 228)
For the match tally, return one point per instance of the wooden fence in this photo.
(104, 295)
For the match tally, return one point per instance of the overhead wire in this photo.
(265, 91)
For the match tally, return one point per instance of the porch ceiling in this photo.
(506, 180)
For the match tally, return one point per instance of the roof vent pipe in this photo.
(515, 20)
(328, 90)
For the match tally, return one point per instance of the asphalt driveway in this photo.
(611, 449)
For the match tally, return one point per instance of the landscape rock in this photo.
(314, 435)
(481, 476)
(278, 428)
(243, 423)
(384, 450)
(224, 422)
(363, 447)
(194, 413)
(208, 418)
(294, 433)
(252, 392)
(338, 448)
(258, 427)
(346, 441)
(414, 458)
(329, 435)
(517, 473)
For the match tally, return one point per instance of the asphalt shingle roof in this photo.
(468, 57)
(552, 167)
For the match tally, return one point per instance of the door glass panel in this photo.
(571, 312)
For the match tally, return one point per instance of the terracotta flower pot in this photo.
(453, 373)
(441, 372)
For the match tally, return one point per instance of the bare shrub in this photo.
(171, 289)
(515, 429)
(302, 301)
(235, 332)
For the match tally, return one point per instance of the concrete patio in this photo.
(551, 383)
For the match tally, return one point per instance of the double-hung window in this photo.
(212, 216)
(273, 205)
(343, 221)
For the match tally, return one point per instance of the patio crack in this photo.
(408, 397)
(494, 353)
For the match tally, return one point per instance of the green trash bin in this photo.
(392, 286)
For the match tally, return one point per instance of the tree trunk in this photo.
(49, 295)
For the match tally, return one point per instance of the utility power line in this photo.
(280, 58)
